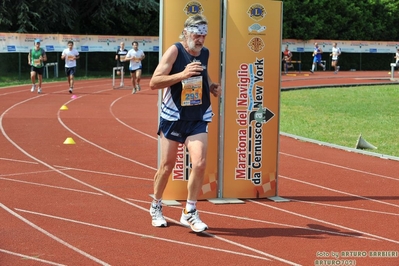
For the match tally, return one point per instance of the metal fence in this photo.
(15, 65)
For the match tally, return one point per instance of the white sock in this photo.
(156, 202)
(313, 67)
(190, 205)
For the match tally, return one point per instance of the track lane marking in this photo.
(139, 234)
(57, 239)
(328, 223)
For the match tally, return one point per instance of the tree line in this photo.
(374, 20)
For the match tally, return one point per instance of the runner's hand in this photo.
(192, 69)
(215, 89)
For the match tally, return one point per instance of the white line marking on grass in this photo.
(59, 240)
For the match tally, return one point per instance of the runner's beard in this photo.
(193, 47)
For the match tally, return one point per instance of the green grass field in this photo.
(339, 115)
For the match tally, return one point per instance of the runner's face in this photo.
(70, 46)
(135, 46)
(195, 42)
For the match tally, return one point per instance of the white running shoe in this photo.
(39, 90)
(33, 88)
(70, 90)
(191, 219)
(157, 217)
(134, 90)
(138, 87)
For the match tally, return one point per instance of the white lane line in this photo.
(343, 207)
(66, 168)
(27, 257)
(100, 190)
(267, 222)
(126, 125)
(27, 173)
(59, 240)
(237, 244)
(142, 235)
(12, 92)
(17, 161)
(340, 192)
(50, 186)
(329, 223)
(98, 146)
(340, 166)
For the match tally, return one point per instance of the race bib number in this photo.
(122, 57)
(136, 59)
(191, 91)
(71, 57)
(36, 62)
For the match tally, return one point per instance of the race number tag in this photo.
(191, 93)
(122, 57)
(36, 62)
(71, 57)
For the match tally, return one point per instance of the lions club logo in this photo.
(193, 8)
(256, 12)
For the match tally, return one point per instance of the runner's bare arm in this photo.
(161, 78)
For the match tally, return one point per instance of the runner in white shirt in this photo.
(70, 55)
(335, 53)
(397, 58)
(135, 55)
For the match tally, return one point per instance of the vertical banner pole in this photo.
(222, 107)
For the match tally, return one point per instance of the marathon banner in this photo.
(173, 15)
(22, 43)
(251, 102)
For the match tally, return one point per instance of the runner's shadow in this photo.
(313, 231)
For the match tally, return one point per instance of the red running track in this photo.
(87, 204)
